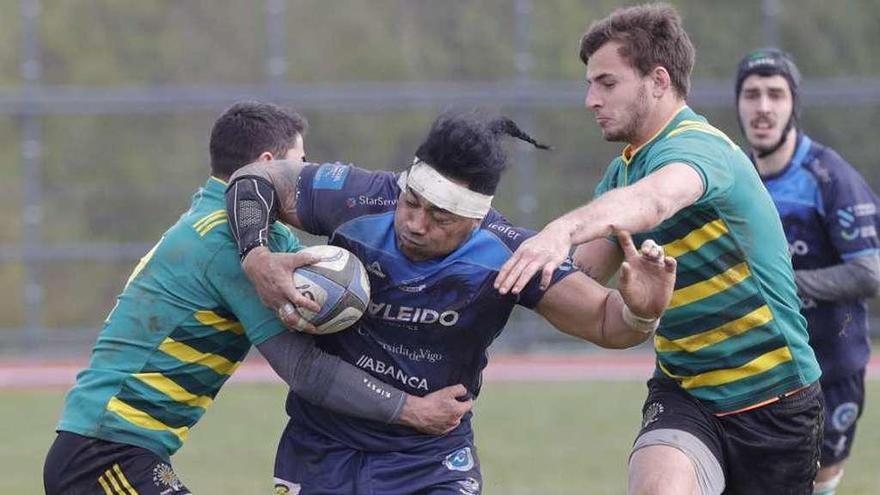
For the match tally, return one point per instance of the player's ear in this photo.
(661, 80)
(265, 156)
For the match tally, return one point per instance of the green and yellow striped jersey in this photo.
(182, 325)
(733, 335)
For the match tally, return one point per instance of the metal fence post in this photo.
(32, 187)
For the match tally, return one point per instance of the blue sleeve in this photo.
(331, 194)
(512, 237)
(849, 207)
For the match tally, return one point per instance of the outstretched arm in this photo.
(329, 382)
(619, 318)
(636, 208)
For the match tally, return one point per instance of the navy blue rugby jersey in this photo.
(830, 215)
(429, 323)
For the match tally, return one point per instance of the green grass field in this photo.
(533, 438)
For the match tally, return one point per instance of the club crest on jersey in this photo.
(844, 416)
(460, 460)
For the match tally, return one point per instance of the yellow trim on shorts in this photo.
(118, 483)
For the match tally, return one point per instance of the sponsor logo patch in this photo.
(390, 370)
(376, 269)
(364, 200)
(283, 487)
(409, 314)
(417, 354)
(469, 486)
(331, 176)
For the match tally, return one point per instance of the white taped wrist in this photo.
(638, 323)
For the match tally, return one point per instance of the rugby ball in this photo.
(339, 283)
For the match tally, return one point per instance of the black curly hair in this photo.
(466, 146)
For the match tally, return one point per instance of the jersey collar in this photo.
(629, 152)
(804, 143)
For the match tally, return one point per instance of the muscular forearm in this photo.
(858, 278)
(327, 381)
(616, 209)
(616, 333)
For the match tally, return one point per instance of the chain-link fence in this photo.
(105, 107)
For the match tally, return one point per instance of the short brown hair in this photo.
(651, 35)
(247, 129)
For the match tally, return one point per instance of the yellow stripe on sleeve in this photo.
(717, 284)
(171, 388)
(187, 354)
(759, 365)
(696, 238)
(212, 319)
(144, 420)
(694, 343)
(210, 217)
(208, 227)
(124, 480)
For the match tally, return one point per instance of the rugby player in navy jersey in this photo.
(432, 245)
(830, 218)
(182, 325)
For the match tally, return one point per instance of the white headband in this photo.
(442, 192)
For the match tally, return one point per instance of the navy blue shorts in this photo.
(308, 463)
(78, 465)
(844, 402)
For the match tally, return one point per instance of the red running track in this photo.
(34, 373)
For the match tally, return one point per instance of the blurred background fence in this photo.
(106, 107)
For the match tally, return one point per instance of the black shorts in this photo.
(78, 465)
(773, 449)
(844, 401)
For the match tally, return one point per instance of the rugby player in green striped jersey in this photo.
(734, 404)
(182, 325)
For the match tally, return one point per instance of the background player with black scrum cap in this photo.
(830, 218)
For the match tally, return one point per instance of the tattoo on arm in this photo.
(586, 270)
